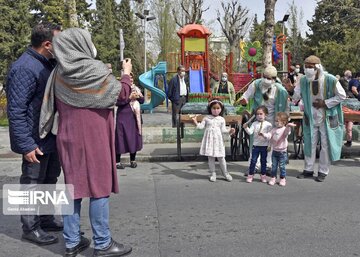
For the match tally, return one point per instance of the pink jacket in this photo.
(278, 138)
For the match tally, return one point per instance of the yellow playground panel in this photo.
(195, 44)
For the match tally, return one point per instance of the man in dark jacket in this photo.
(26, 83)
(178, 93)
(344, 81)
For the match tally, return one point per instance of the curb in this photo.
(167, 152)
(184, 158)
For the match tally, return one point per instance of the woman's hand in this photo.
(127, 66)
(245, 125)
(232, 131)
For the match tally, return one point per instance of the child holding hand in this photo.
(259, 128)
(212, 144)
(278, 140)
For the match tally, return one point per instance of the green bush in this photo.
(4, 122)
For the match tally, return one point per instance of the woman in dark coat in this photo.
(84, 93)
(128, 138)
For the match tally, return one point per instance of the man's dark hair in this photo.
(180, 67)
(43, 32)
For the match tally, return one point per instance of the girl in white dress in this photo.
(212, 144)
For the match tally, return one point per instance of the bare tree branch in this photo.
(191, 11)
(234, 23)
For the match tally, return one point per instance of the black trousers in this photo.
(132, 157)
(45, 172)
(176, 108)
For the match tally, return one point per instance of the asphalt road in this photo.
(170, 209)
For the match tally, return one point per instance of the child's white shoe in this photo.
(228, 177)
(272, 181)
(249, 178)
(213, 177)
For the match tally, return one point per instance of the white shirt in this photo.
(183, 90)
(269, 104)
(318, 114)
(257, 127)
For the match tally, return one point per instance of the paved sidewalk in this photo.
(170, 209)
(167, 208)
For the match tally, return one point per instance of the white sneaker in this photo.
(228, 177)
(213, 177)
(272, 181)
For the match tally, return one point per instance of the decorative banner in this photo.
(242, 48)
(278, 43)
(251, 52)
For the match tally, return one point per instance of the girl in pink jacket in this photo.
(278, 140)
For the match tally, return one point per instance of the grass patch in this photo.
(4, 122)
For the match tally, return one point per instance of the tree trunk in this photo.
(72, 14)
(269, 32)
(233, 51)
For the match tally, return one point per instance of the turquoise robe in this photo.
(281, 97)
(334, 118)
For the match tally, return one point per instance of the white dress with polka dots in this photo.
(213, 143)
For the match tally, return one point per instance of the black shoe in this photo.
(348, 144)
(40, 237)
(321, 177)
(133, 164)
(73, 251)
(54, 225)
(114, 249)
(120, 166)
(305, 174)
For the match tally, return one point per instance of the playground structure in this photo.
(202, 64)
(195, 56)
(150, 81)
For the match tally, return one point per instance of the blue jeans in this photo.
(278, 159)
(99, 219)
(256, 151)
